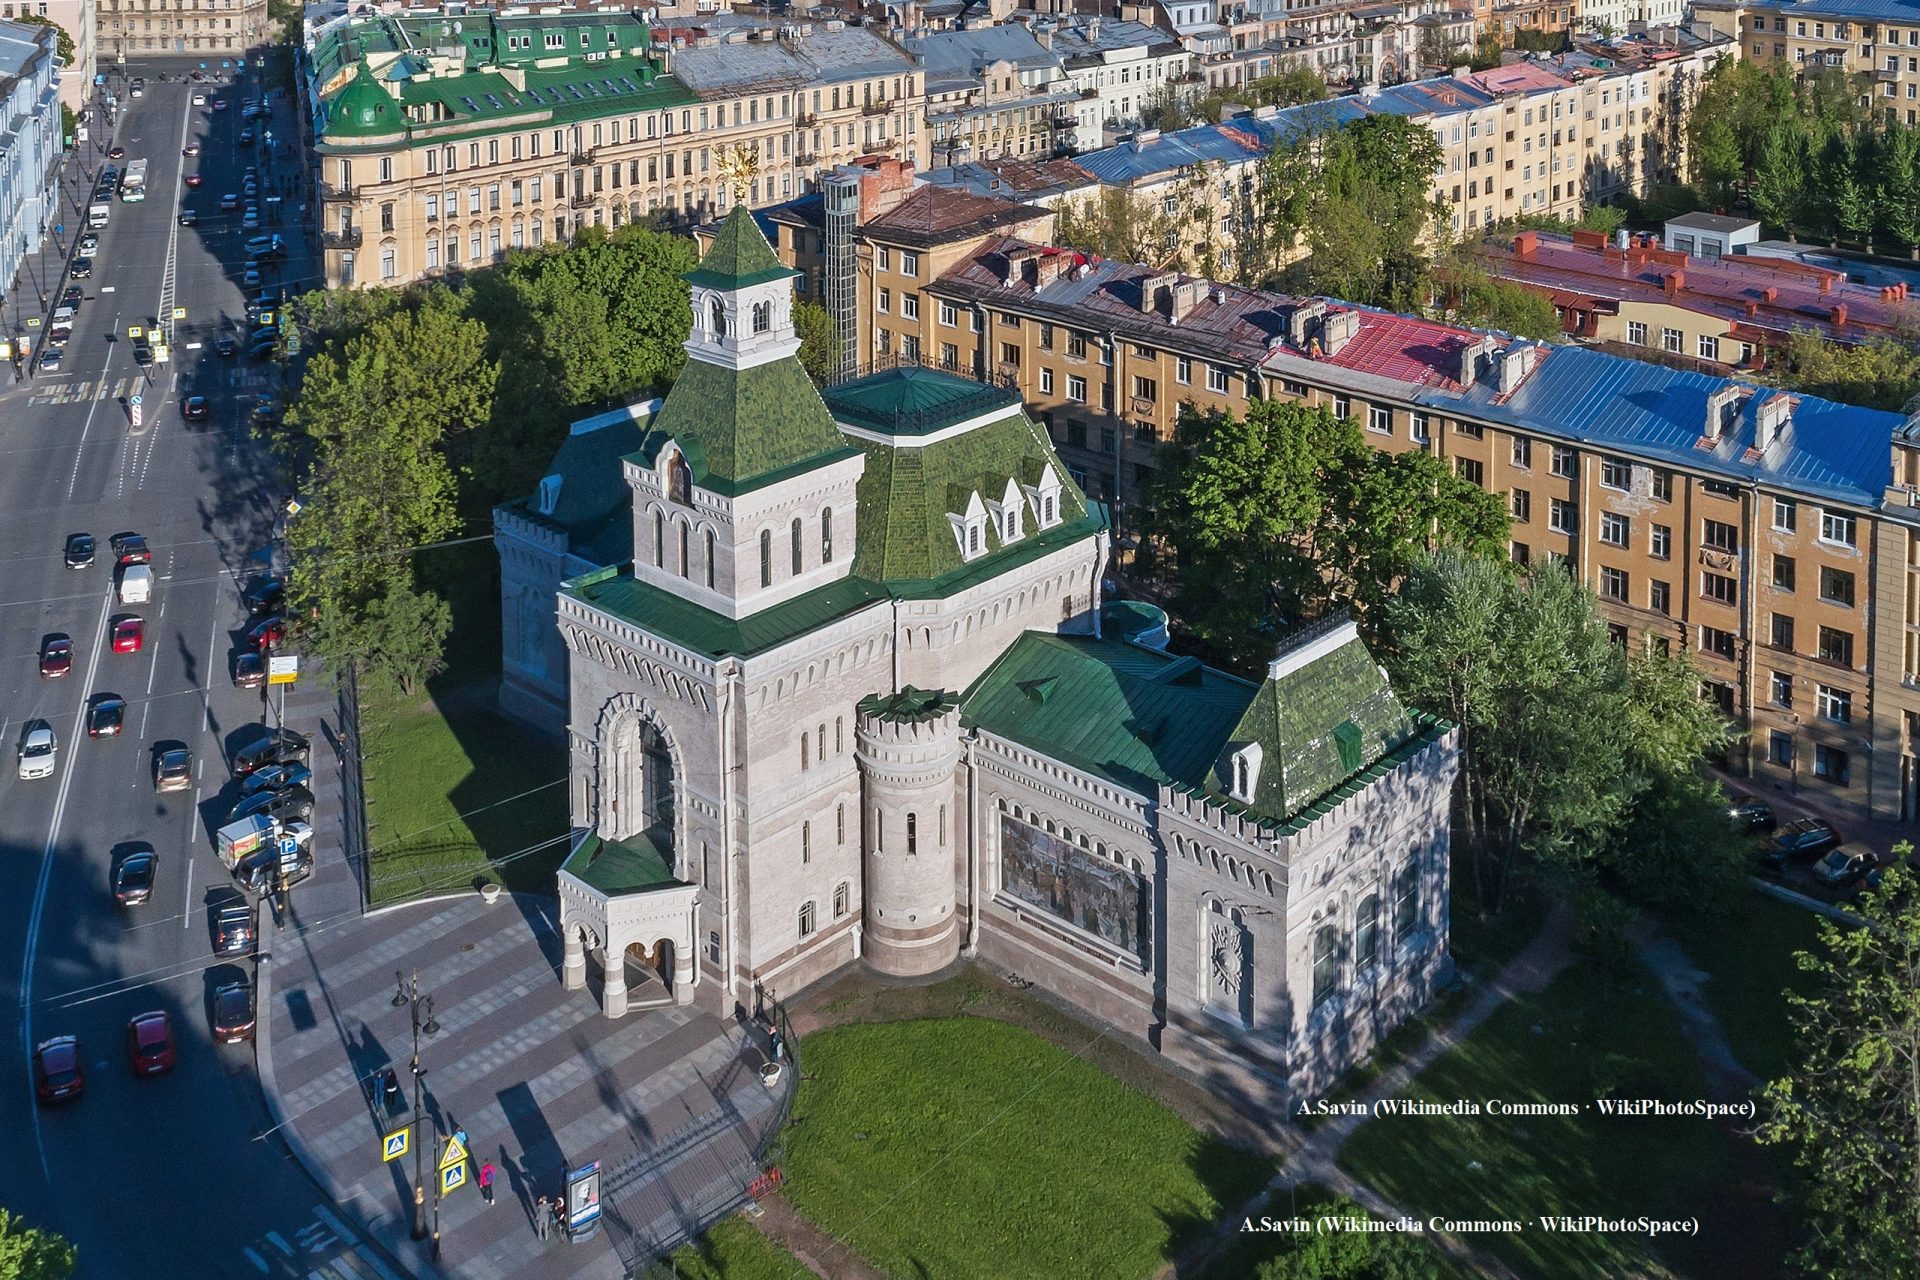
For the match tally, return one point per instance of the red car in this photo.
(128, 635)
(150, 1044)
(56, 656)
(131, 548)
(57, 1076)
(193, 179)
(267, 632)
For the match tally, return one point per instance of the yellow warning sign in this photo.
(456, 1153)
(134, 331)
(179, 313)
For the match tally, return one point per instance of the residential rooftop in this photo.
(931, 215)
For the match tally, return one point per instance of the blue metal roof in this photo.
(1838, 451)
(1858, 10)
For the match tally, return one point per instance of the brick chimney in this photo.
(1337, 330)
(1674, 283)
(1838, 315)
(1525, 243)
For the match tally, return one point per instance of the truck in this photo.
(97, 215)
(133, 187)
(238, 841)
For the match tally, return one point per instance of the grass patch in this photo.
(457, 791)
(1398, 1045)
(1748, 954)
(1598, 1036)
(733, 1250)
(1483, 945)
(1355, 1255)
(958, 1147)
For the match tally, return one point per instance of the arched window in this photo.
(1326, 963)
(762, 316)
(913, 833)
(943, 826)
(685, 534)
(717, 318)
(766, 557)
(806, 920)
(840, 823)
(826, 536)
(821, 749)
(840, 896)
(839, 734)
(806, 842)
(710, 565)
(805, 745)
(679, 478)
(1366, 931)
(798, 552)
(1406, 901)
(659, 539)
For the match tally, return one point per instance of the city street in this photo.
(173, 1175)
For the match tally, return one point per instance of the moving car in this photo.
(199, 99)
(116, 153)
(226, 344)
(1802, 841)
(1845, 865)
(150, 1043)
(233, 1013)
(129, 634)
(283, 746)
(173, 770)
(194, 408)
(192, 148)
(276, 777)
(219, 104)
(294, 804)
(50, 360)
(142, 352)
(188, 218)
(130, 548)
(249, 670)
(134, 874)
(233, 930)
(81, 267)
(57, 1075)
(56, 655)
(193, 179)
(106, 715)
(89, 243)
(37, 750)
(229, 202)
(246, 137)
(79, 550)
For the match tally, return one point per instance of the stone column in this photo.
(683, 975)
(613, 995)
(574, 966)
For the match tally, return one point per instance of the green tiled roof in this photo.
(914, 401)
(362, 109)
(1136, 717)
(906, 495)
(716, 635)
(620, 866)
(745, 428)
(1316, 725)
(588, 464)
(738, 256)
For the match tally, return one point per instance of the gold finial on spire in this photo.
(738, 165)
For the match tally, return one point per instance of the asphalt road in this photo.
(166, 1176)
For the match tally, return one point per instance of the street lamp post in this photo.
(407, 992)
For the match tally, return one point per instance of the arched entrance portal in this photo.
(639, 784)
(650, 978)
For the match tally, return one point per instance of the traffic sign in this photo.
(453, 1177)
(134, 331)
(394, 1145)
(283, 668)
(33, 322)
(134, 399)
(289, 847)
(456, 1152)
(179, 313)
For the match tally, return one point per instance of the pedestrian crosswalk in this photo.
(117, 389)
(321, 1249)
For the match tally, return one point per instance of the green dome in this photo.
(362, 109)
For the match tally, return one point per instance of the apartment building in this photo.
(133, 28)
(1118, 68)
(994, 92)
(1730, 310)
(1878, 39)
(444, 141)
(76, 18)
(29, 143)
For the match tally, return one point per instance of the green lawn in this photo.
(949, 1148)
(734, 1250)
(1594, 1035)
(1242, 1259)
(1749, 953)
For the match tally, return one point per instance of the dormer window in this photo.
(970, 527)
(1246, 772)
(1010, 526)
(762, 316)
(1043, 495)
(549, 496)
(1007, 522)
(976, 530)
(717, 318)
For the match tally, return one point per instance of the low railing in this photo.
(333, 194)
(347, 239)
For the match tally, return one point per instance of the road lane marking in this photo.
(255, 1258)
(279, 1242)
(73, 481)
(186, 903)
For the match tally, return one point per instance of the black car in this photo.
(246, 137)
(260, 871)
(264, 597)
(106, 715)
(81, 268)
(134, 874)
(142, 352)
(226, 345)
(233, 1013)
(281, 747)
(73, 296)
(131, 548)
(188, 218)
(79, 550)
(290, 804)
(1803, 840)
(265, 350)
(194, 408)
(233, 930)
(1749, 814)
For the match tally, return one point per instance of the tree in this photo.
(1881, 374)
(819, 340)
(1373, 218)
(1849, 1110)
(1478, 299)
(1718, 168)
(28, 1253)
(405, 631)
(1899, 189)
(1172, 226)
(1780, 193)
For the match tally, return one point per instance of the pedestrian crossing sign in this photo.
(134, 331)
(456, 1152)
(179, 313)
(394, 1145)
(453, 1177)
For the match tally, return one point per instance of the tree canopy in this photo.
(1882, 374)
(28, 1253)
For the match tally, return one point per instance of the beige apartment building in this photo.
(1876, 40)
(144, 28)
(444, 144)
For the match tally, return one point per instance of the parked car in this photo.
(134, 875)
(56, 655)
(89, 243)
(72, 296)
(233, 930)
(150, 1043)
(266, 350)
(268, 632)
(173, 770)
(294, 804)
(229, 202)
(233, 1012)
(249, 670)
(1845, 865)
(106, 715)
(81, 267)
(192, 148)
(142, 352)
(264, 597)
(277, 777)
(38, 749)
(57, 1073)
(246, 137)
(116, 153)
(1801, 841)
(79, 550)
(283, 746)
(50, 360)
(1748, 814)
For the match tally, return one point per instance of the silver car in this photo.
(37, 751)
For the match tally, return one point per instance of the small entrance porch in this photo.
(621, 906)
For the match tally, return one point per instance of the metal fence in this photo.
(353, 791)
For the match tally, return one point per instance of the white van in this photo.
(136, 584)
(62, 320)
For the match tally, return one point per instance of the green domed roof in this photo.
(362, 109)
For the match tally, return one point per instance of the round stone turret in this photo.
(908, 745)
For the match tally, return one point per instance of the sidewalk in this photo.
(44, 272)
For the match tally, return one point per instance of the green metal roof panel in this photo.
(715, 635)
(1130, 715)
(748, 423)
(615, 867)
(738, 256)
(915, 401)
(362, 109)
(592, 483)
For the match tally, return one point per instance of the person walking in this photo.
(486, 1182)
(542, 1217)
(559, 1215)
